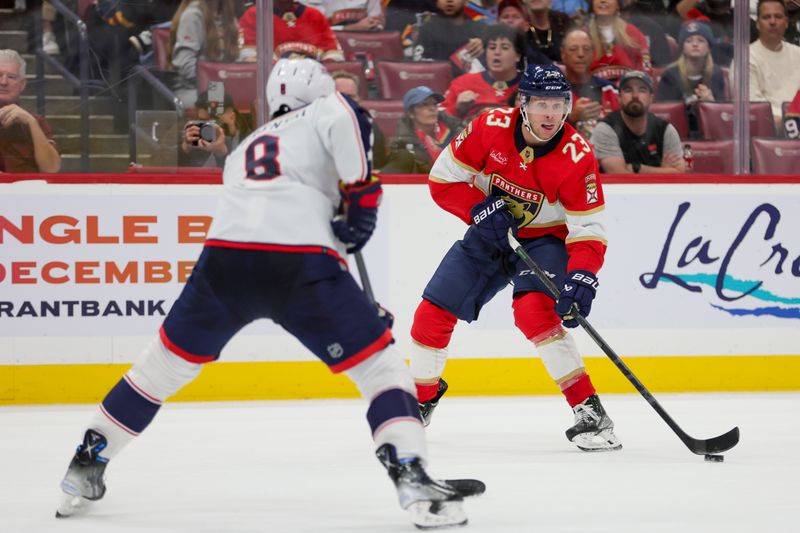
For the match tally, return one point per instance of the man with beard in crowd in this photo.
(632, 139)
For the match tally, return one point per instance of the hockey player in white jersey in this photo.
(298, 194)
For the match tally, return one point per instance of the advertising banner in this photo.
(89, 271)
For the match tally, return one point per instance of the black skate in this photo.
(593, 430)
(84, 480)
(426, 408)
(431, 504)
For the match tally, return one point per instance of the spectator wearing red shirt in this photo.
(471, 93)
(26, 142)
(618, 46)
(298, 31)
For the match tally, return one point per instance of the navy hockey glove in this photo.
(359, 208)
(580, 287)
(492, 220)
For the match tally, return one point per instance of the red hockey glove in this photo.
(359, 216)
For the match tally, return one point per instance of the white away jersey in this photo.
(280, 185)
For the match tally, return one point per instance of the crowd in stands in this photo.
(632, 64)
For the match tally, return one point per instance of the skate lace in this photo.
(586, 413)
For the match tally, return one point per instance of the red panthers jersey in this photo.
(301, 31)
(553, 189)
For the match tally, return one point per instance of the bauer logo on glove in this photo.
(579, 289)
(492, 220)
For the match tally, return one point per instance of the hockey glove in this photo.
(359, 216)
(580, 287)
(492, 220)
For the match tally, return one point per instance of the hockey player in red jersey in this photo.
(275, 250)
(521, 169)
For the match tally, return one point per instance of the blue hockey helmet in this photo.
(544, 81)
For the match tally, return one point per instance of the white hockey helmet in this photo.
(295, 83)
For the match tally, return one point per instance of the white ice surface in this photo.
(307, 466)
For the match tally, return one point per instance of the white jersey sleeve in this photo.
(339, 119)
(280, 185)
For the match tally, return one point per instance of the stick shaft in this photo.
(362, 273)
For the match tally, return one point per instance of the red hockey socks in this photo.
(577, 388)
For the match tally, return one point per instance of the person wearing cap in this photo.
(513, 13)
(474, 92)
(693, 76)
(634, 140)
(230, 127)
(422, 133)
(774, 72)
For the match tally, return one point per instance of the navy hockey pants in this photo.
(472, 272)
(310, 295)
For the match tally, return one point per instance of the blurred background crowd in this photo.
(115, 85)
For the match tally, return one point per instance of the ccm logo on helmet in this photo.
(488, 210)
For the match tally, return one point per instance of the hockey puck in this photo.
(715, 458)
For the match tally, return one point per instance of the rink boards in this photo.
(700, 291)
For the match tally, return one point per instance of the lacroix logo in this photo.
(499, 157)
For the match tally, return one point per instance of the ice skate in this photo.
(426, 408)
(83, 482)
(593, 430)
(431, 504)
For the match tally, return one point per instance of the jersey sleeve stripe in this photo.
(571, 240)
(597, 209)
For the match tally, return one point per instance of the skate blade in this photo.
(437, 515)
(603, 441)
(71, 504)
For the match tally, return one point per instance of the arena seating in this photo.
(716, 120)
(385, 113)
(353, 67)
(395, 78)
(380, 45)
(160, 47)
(674, 113)
(775, 156)
(714, 157)
(239, 80)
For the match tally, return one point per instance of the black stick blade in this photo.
(719, 444)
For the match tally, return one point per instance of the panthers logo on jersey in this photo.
(524, 204)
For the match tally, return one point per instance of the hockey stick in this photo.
(362, 273)
(699, 446)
